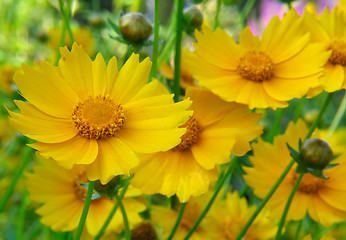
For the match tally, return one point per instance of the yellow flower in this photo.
(324, 200)
(337, 141)
(227, 218)
(82, 36)
(165, 218)
(262, 73)
(330, 29)
(215, 130)
(62, 195)
(83, 112)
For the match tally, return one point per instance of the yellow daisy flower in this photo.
(63, 197)
(324, 200)
(227, 219)
(83, 112)
(330, 29)
(215, 130)
(262, 73)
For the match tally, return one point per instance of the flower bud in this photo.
(96, 19)
(316, 153)
(135, 27)
(193, 17)
(144, 231)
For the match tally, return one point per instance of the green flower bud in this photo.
(96, 19)
(193, 17)
(316, 153)
(135, 27)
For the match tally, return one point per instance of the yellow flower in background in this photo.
(84, 112)
(165, 218)
(262, 73)
(228, 217)
(324, 200)
(62, 197)
(330, 29)
(337, 141)
(6, 77)
(215, 130)
(81, 35)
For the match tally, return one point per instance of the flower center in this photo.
(191, 135)
(338, 48)
(80, 190)
(98, 117)
(256, 66)
(309, 183)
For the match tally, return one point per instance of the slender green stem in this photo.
(61, 44)
(298, 229)
(26, 158)
(96, 5)
(87, 202)
(276, 127)
(212, 199)
(265, 200)
(245, 12)
(66, 15)
(337, 118)
(299, 109)
(217, 14)
(126, 221)
(21, 218)
(176, 82)
(167, 49)
(320, 115)
(156, 40)
(177, 222)
(288, 204)
(111, 214)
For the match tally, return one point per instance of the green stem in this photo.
(320, 115)
(126, 222)
(95, 4)
(21, 220)
(87, 202)
(111, 214)
(176, 82)
(288, 204)
(298, 229)
(66, 15)
(61, 44)
(245, 12)
(177, 222)
(276, 126)
(217, 14)
(156, 40)
(265, 200)
(212, 199)
(337, 117)
(299, 109)
(164, 56)
(27, 155)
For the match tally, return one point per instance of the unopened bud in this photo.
(144, 231)
(135, 27)
(316, 153)
(96, 19)
(193, 17)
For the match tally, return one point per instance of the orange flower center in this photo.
(98, 117)
(309, 183)
(338, 48)
(255, 66)
(81, 191)
(191, 135)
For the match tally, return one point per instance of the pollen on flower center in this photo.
(191, 135)
(309, 183)
(338, 48)
(98, 117)
(256, 66)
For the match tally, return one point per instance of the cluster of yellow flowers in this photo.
(92, 122)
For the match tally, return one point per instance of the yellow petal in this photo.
(41, 127)
(78, 150)
(333, 78)
(114, 158)
(99, 76)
